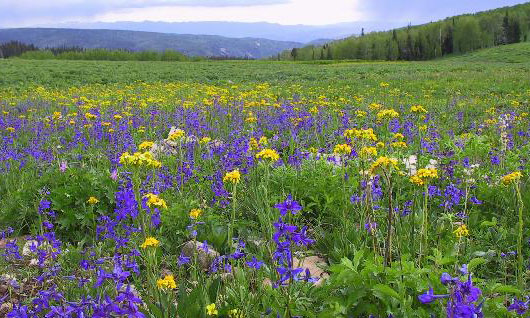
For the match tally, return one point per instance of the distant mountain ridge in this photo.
(272, 31)
(189, 44)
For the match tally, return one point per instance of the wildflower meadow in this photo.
(264, 189)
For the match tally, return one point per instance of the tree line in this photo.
(29, 51)
(455, 35)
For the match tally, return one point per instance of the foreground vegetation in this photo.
(254, 189)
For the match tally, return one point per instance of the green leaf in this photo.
(508, 289)
(385, 290)
(491, 223)
(475, 262)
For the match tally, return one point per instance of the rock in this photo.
(205, 254)
(171, 147)
(315, 264)
(5, 308)
(26, 250)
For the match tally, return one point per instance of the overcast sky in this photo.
(16, 13)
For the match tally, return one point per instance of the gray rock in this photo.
(205, 256)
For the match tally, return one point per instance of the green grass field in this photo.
(401, 187)
(489, 70)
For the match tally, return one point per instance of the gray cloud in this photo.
(421, 11)
(27, 12)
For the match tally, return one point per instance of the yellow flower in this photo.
(369, 151)
(205, 140)
(167, 282)
(57, 115)
(146, 145)
(177, 134)
(367, 134)
(150, 241)
(399, 144)
(387, 113)
(118, 117)
(398, 136)
(417, 109)
(383, 163)
(154, 201)
(92, 200)
(195, 213)
(211, 311)
(423, 175)
(139, 159)
(235, 313)
(253, 144)
(90, 116)
(10, 129)
(423, 128)
(360, 113)
(251, 119)
(269, 154)
(232, 177)
(461, 231)
(342, 149)
(511, 178)
(263, 141)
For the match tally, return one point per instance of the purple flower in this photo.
(183, 260)
(370, 227)
(519, 306)
(429, 297)
(476, 201)
(254, 263)
(288, 206)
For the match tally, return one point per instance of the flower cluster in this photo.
(154, 200)
(268, 154)
(387, 113)
(462, 298)
(342, 149)
(367, 134)
(176, 135)
(168, 282)
(139, 159)
(150, 242)
(383, 163)
(424, 175)
(511, 178)
(232, 177)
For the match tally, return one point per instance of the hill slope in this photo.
(193, 45)
(455, 35)
(511, 53)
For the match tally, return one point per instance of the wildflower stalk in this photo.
(233, 217)
(520, 278)
(425, 222)
(390, 220)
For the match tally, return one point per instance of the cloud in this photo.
(27, 12)
(15, 13)
(311, 12)
(421, 11)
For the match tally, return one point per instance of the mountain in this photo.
(189, 44)
(273, 31)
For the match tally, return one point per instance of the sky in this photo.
(20, 13)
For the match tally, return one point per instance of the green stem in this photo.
(520, 278)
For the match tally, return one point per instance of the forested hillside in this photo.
(459, 34)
